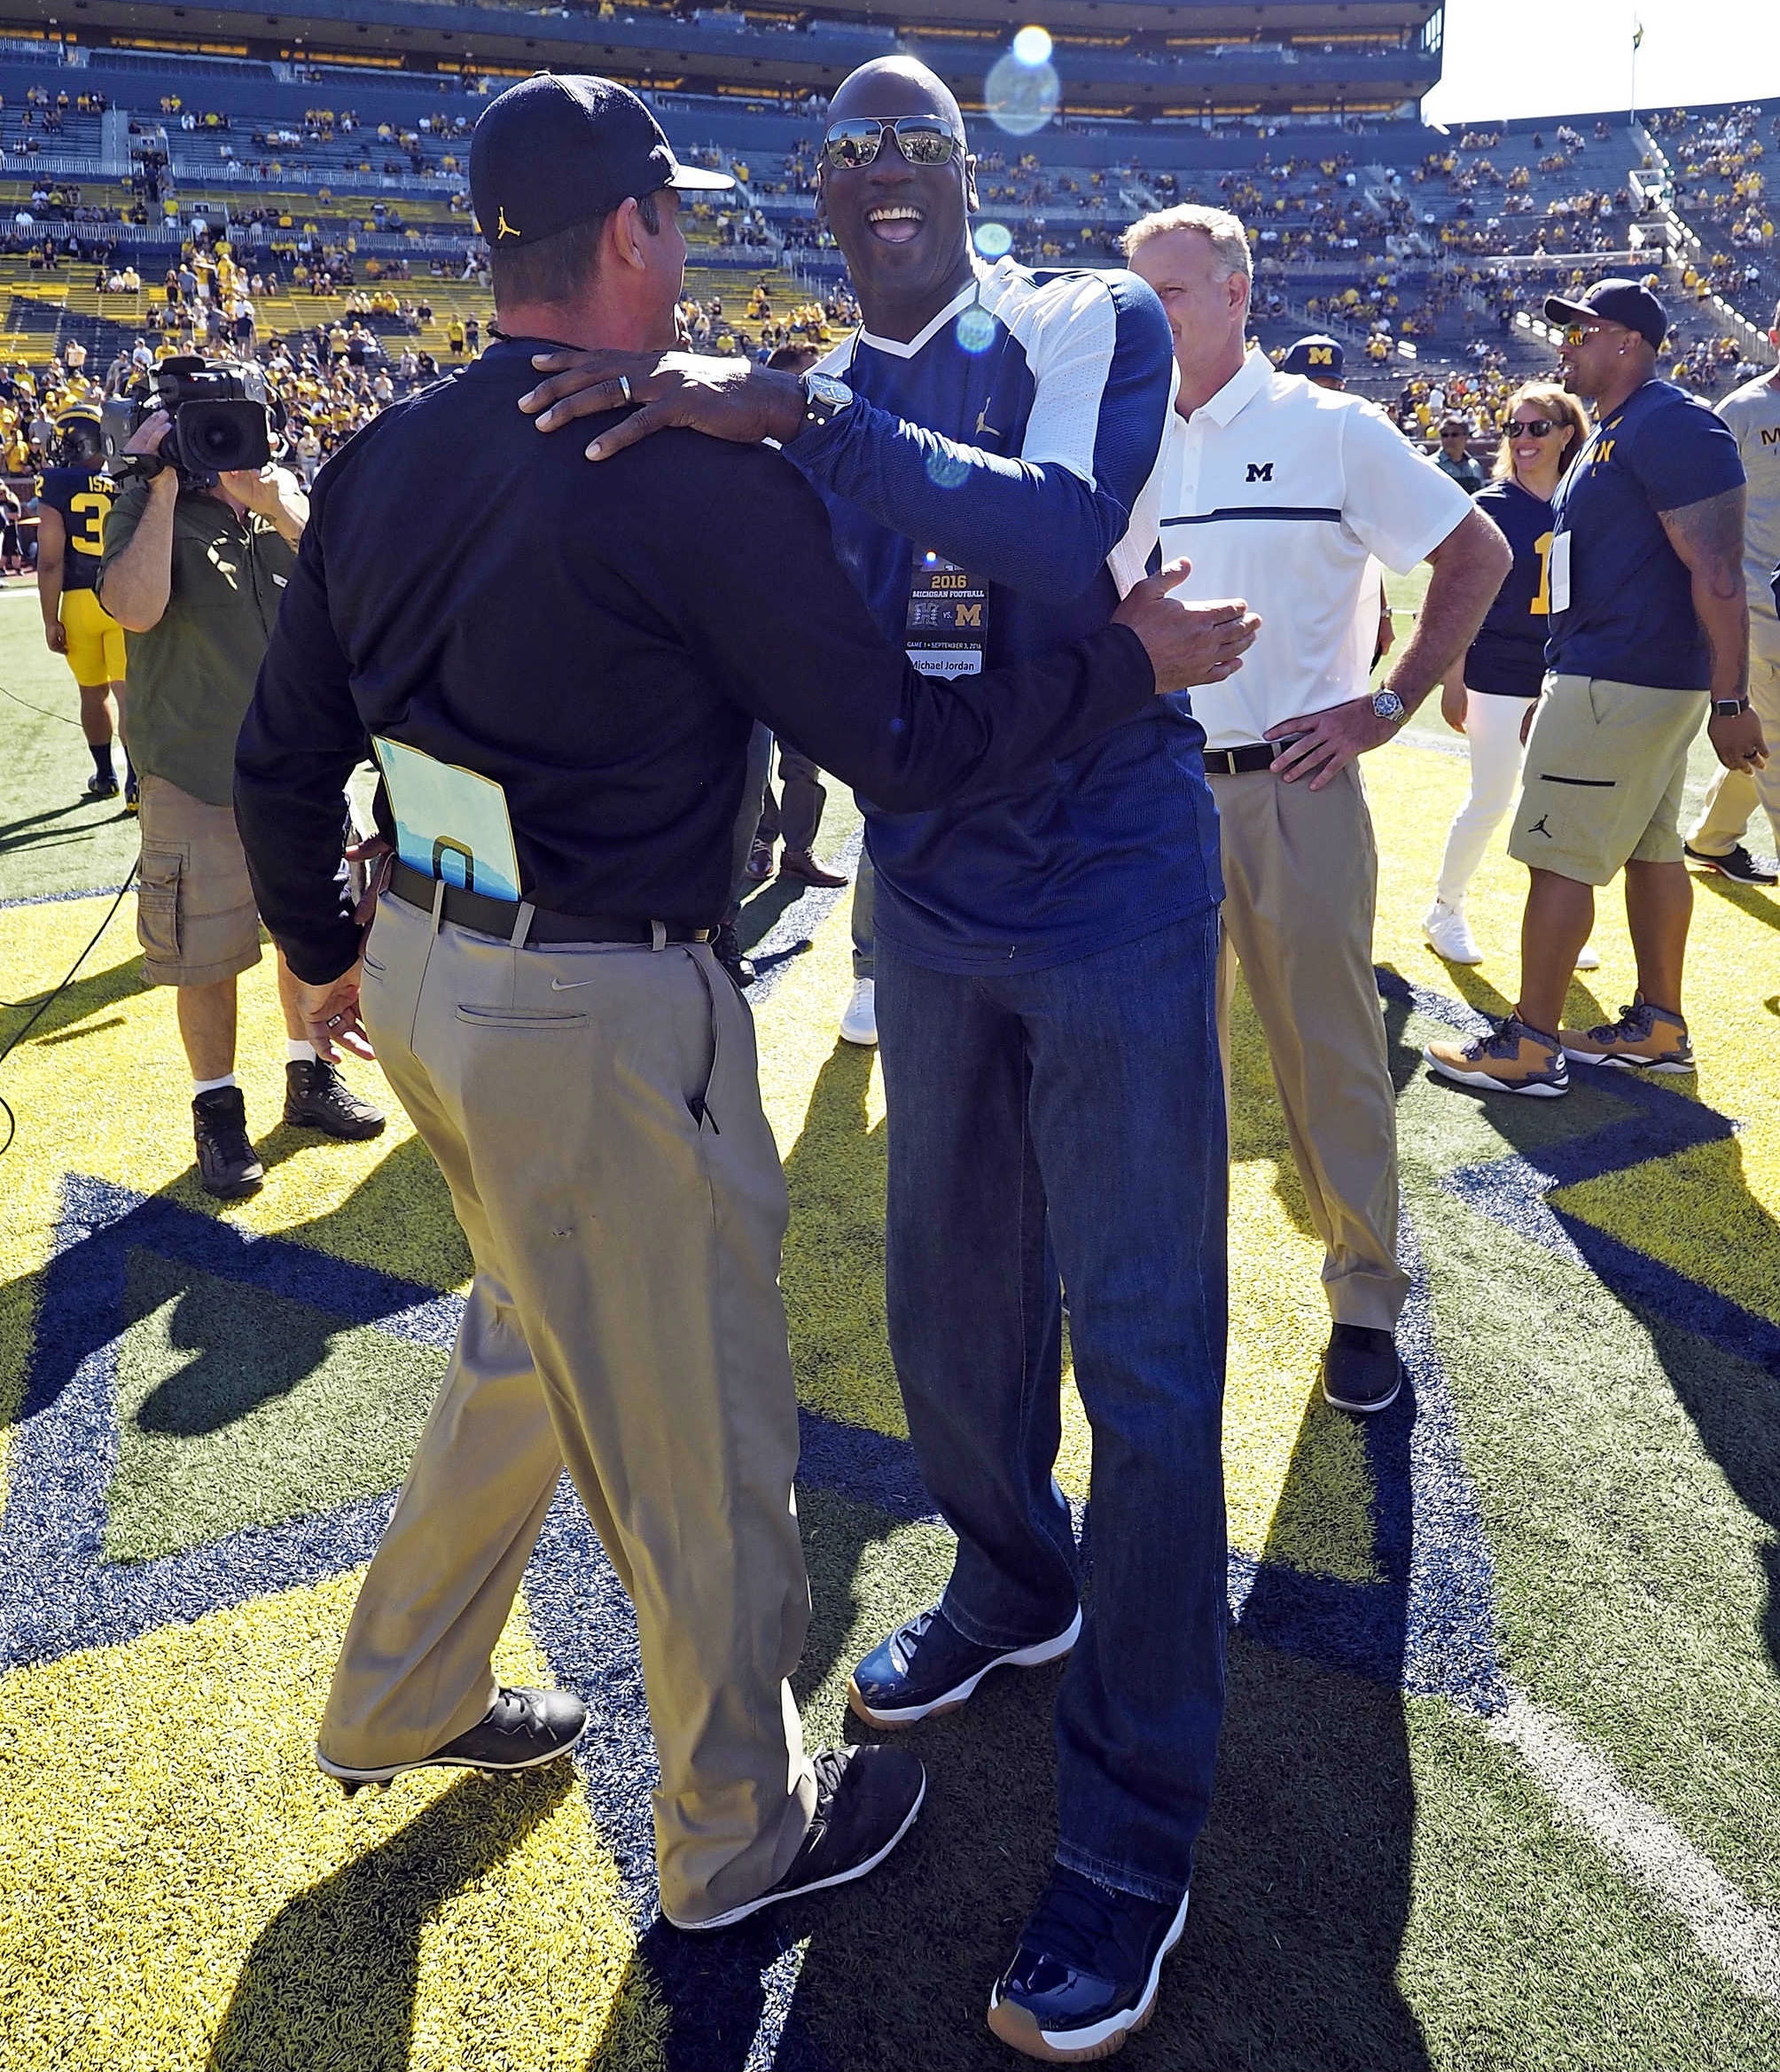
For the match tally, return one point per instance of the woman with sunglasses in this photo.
(1489, 697)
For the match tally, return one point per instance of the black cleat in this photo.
(1361, 1369)
(866, 1801)
(1736, 864)
(1086, 1974)
(227, 1165)
(317, 1097)
(522, 1730)
(101, 787)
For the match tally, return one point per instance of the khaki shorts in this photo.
(1604, 770)
(195, 916)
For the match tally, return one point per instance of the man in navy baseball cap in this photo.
(561, 148)
(1614, 301)
(1317, 358)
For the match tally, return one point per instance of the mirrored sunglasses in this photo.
(923, 140)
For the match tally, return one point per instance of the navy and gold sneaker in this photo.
(1086, 1973)
(928, 1667)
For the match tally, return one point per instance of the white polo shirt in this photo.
(1280, 493)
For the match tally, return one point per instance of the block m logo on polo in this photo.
(1260, 472)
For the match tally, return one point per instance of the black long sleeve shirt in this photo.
(598, 640)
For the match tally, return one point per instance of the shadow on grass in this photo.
(332, 1978)
(1748, 899)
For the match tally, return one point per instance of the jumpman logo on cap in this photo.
(503, 227)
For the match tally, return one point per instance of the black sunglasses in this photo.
(923, 140)
(1530, 428)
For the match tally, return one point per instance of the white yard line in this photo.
(1740, 1937)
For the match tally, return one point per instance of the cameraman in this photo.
(193, 572)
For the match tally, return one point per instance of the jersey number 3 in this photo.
(91, 511)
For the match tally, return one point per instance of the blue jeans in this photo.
(1072, 1121)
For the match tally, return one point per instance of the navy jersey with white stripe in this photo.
(1508, 657)
(1018, 436)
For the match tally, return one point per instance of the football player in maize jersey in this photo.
(74, 499)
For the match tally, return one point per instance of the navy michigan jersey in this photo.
(1508, 656)
(84, 501)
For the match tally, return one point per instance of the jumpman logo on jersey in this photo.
(1540, 828)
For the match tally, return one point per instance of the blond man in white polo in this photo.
(1282, 491)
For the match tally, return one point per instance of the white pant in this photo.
(1492, 731)
(1733, 795)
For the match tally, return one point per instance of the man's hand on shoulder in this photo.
(728, 399)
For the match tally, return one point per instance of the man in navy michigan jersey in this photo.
(987, 445)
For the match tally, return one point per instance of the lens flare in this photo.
(993, 240)
(1020, 98)
(1031, 46)
(946, 470)
(976, 330)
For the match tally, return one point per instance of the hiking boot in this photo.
(1735, 864)
(1087, 1970)
(1448, 935)
(522, 1730)
(1509, 1058)
(227, 1165)
(1644, 1038)
(866, 1801)
(317, 1097)
(928, 1666)
(800, 863)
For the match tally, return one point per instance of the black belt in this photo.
(1237, 762)
(500, 917)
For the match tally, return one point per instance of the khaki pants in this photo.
(1300, 883)
(1733, 795)
(596, 1116)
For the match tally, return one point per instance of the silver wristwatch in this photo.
(824, 399)
(1389, 706)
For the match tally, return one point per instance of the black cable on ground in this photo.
(43, 712)
(51, 997)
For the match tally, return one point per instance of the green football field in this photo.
(1499, 1779)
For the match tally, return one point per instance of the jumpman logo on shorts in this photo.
(1540, 828)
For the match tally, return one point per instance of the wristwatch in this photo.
(1727, 708)
(824, 399)
(1389, 706)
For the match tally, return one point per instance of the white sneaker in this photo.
(1449, 935)
(859, 1023)
(1588, 958)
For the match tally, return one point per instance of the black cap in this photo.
(1316, 357)
(561, 147)
(1622, 302)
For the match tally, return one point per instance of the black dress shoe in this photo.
(1362, 1370)
(522, 1730)
(317, 1097)
(760, 864)
(227, 1165)
(1087, 1971)
(866, 1801)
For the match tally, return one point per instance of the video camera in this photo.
(223, 420)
